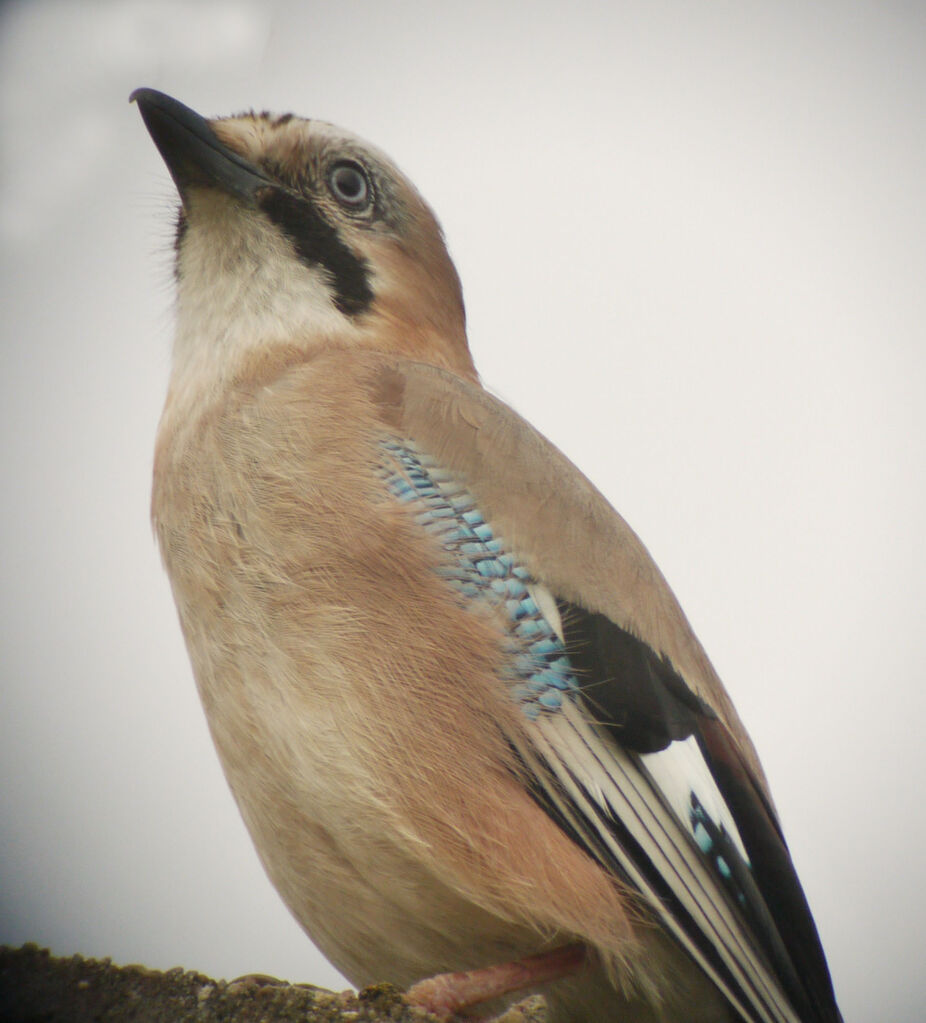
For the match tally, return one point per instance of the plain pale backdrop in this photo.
(691, 238)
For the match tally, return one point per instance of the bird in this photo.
(474, 739)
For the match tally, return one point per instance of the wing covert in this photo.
(651, 774)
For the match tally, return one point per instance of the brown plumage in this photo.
(463, 715)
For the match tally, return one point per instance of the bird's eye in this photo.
(350, 185)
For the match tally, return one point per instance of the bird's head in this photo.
(295, 233)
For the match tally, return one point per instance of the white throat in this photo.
(242, 289)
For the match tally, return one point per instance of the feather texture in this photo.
(464, 717)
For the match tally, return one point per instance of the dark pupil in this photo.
(349, 183)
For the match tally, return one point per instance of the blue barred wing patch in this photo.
(479, 566)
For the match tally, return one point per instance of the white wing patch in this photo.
(680, 771)
(546, 604)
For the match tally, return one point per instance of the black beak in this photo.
(193, 154)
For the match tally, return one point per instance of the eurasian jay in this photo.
(465, 719)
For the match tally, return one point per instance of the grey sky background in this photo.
(691, 239)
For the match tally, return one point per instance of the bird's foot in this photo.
(448, 993)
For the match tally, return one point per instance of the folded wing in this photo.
(634, 748)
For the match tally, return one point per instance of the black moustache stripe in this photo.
(317, 243)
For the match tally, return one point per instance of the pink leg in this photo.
(448, 993)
